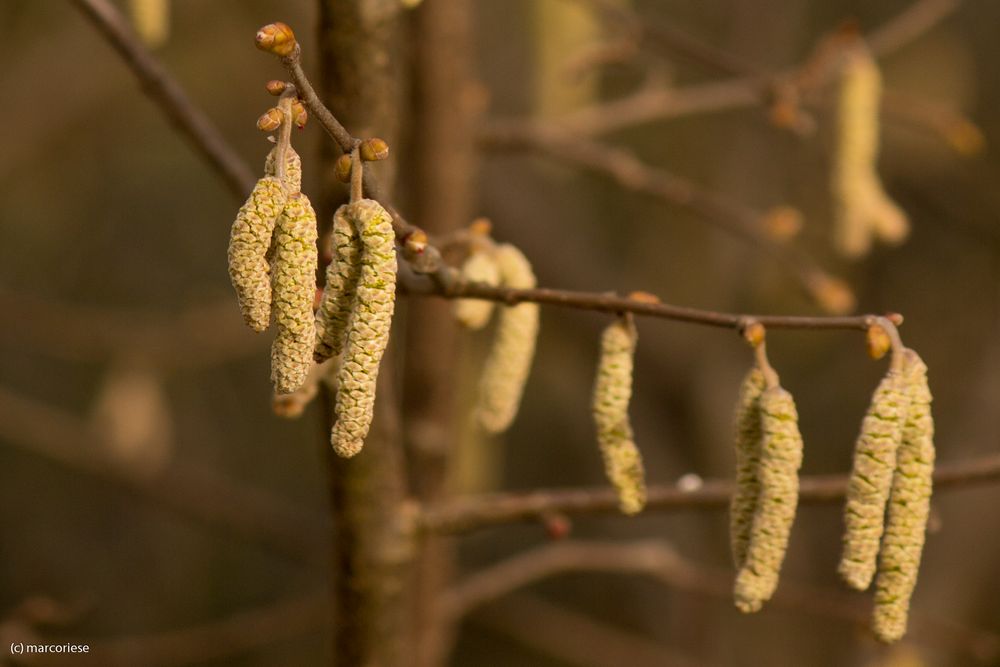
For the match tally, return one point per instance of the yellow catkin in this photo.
(151, 19)
(509, 362)
(612, 392)
(479, 267)
(909, 507)
(293, 283)
(748, 447)
(781, 457)
(368, 328)
(862, 208)
(249, 241)
(341, 285)
(293, 169)
(871, 479)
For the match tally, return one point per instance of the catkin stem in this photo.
(284, 132)
(357, 175)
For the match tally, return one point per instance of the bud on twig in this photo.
(271, 120)
(374, 149)
(299, 114)
(276, 38)
(275, 87)
(342, 168)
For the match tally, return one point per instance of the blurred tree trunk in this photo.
(361, 82)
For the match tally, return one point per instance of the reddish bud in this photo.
(270, 121)
(557, 526)
(276, 38)
(275, 87)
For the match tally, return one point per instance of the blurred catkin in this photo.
(909, 507)
(151, 19)
(479, 267)
(249, 241)
(612, 392)
(506, 369)
(293, 283)
(862, 207)
(368, 327)
(748, 449)
(341, 285)
(781, 457)
(871, 478)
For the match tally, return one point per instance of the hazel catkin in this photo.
(249, 241)
(506, 369)
(479, 267)
(909, 507)
(293, 168)
(870, 481)
(368, 327)
(862, 207)
(780, 459)
(748, 449)
(612, 392)
(293, 283)
(342, 274)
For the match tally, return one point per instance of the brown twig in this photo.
(165, 92)
(660, 561)
(469, 514)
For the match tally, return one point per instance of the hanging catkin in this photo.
(748, 449)
(479, 267)
(871, 479)
(781, 457)
(293, 283)
(612, 391)
(368, 327)
(862, 208)
(506, 369)
(909, 506)
(341, 284)
(249, 241)
(293, 168)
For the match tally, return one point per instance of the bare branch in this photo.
(193, 492)
(167, 94)
(469, 514)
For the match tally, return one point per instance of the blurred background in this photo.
(151, 502)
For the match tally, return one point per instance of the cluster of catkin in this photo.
(768, 458)
(888, 495)
(273, 263)
(505, 371)
(862, 209)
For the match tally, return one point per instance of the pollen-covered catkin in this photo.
(509, 362)
(249, 241)
(293, 168)
(293, 283)
(909, 507)
(781, 457)
(862, 208)
(748, 447)
(341, 285)
(870, 480)
(612, 392)
(479, 267)
(368, 327)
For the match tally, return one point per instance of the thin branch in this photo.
(469, 514)
(165, 92)
(660, 561)
(240, 633)
(195, 493)
(909, 25)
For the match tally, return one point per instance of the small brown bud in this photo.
(877, 341)
(276, 38)
(299, 114)
(832, 294)
(644, 297)
(782, 223)
(481, 227)
(416, 242)
(275, 87)
(271, 120)
(964, 137)
(754, 333)
(557, 526)
(374, 149)
(342, 168)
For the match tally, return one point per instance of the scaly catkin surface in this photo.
(293, 169)
(341, 286)
(293, 283)
(612, 392)
(368, 328)
(781, 457)
(748, 447)
(870, 480)
(909, 507)
(249, 241)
